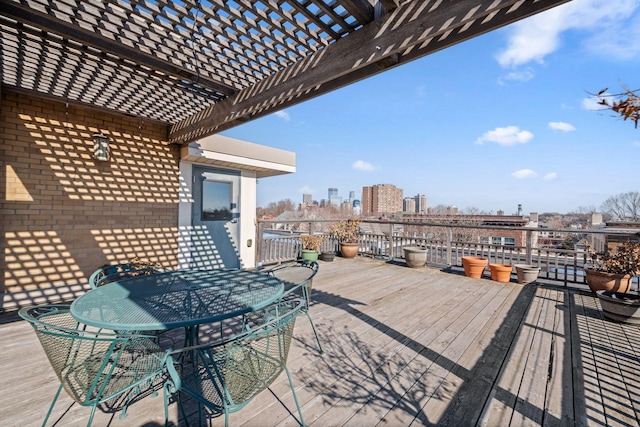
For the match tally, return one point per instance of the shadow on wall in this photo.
(70, 213)
(199, 249)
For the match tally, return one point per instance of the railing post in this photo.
(529, 244)
(259, 243)
(449, 239)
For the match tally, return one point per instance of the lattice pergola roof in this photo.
(204, 66)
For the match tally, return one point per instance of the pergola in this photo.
(204, 66)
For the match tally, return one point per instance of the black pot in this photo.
(327, 256)
(621, 307)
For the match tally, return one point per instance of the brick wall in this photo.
(65, 214)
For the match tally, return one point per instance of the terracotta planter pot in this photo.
(415, 256)
(601, 281)
(474, 266)
(349, 250)
(500, 272)
(620, 307)
(527, 273)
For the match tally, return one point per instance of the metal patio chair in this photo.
(96, 367)
(114, 272)
(298, 279)
(224, 376)
(111, 273)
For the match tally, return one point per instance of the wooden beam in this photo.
(389, 5)
(45, 22)
(411, 31)
(360, 9)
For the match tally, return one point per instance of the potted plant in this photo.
(348, 235)
(610, 276)
(613, 270)
(311, 246)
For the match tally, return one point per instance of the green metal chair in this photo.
(298, 280)
(93, 366)
(111, 273)
(223, 376)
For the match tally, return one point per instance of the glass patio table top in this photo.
(176, 299)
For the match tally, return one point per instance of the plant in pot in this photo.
(311, 246)
(609, 275)
(613, 270)
(347, 233)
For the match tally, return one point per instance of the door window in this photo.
(216, 200)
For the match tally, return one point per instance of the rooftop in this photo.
(405, 346)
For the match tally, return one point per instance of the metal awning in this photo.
(207, 65)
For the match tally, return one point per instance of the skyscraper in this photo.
(307, 198)
(334, 199)
(356, 208)
(421, 204)
(409, 205)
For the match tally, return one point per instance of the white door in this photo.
(215, 218)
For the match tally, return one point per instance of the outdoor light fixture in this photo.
(100, 147)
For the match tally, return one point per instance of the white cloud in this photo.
(550, 176)
(532, 39)
(592, 103)
(618, 37)
(363, 166)
(283, 115)
(305, 189)
(510, 135)
(519, 76)
(561, 126)
(524, 174)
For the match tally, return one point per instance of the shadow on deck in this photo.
(408, 346)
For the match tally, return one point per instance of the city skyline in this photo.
(503, 119)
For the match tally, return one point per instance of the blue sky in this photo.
(500, 120)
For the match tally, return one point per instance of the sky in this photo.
(503, 119)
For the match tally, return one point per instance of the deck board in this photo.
(404, 347)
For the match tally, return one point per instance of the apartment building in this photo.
(381, 199)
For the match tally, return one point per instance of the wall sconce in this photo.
(100, 147)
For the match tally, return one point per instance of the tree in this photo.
(623, 206)
(586, 210)
(276, 208)
(626, 104)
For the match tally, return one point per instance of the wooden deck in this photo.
(405, 347)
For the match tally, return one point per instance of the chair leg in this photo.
(314, 331)
(46, 418)
(93, 412)
(295, 397)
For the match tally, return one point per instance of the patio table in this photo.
(176, 299)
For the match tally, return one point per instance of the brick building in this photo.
(381, 199)
(65, 213)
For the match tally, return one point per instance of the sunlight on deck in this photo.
(408, 346)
